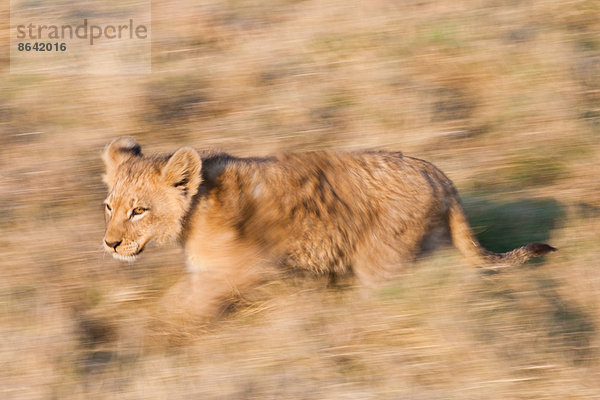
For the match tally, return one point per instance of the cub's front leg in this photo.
(201, 297)
(221, 267)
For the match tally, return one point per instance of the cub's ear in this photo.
(183, 171)
(118, 151)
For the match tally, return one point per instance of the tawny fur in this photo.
(365, 213)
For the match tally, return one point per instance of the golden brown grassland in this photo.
(503, 95)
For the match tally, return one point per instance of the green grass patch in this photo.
(502, 226)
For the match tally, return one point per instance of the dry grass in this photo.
(502, 95)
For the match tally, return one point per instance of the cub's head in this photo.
(148, 197)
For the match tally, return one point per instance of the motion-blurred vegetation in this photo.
(504, 96)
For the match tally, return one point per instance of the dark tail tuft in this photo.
(539, 249)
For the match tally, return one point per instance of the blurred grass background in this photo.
(502, 95)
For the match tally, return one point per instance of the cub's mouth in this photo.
(121, 257)
(126, 252)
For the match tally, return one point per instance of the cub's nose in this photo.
(113, 245)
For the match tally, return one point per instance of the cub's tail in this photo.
(464, 239)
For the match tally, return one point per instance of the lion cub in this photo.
(364, 213)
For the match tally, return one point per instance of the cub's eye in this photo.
(137, 211)
(107, 207)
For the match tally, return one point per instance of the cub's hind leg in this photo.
(375, 265)
(393, 250)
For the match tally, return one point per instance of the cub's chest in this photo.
(211, 245)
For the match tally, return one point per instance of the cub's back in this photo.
(317, 210)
